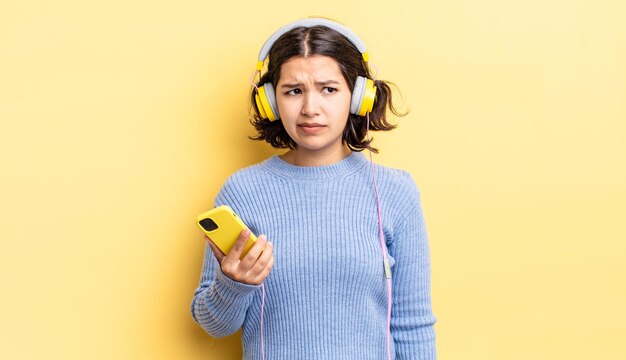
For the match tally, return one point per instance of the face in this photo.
(314, 104)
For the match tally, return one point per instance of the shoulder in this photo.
(397, 179)
(398, 191)
(246, 174)
(250, 174)
(245, 180)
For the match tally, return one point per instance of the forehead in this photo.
(311, 67)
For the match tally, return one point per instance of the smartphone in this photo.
(223, 227)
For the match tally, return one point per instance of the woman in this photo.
(347, 272)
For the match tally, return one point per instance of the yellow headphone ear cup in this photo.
(363, 96)
(266, 102)
(259, 105)
(369, 95)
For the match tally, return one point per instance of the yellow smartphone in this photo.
(223, 227)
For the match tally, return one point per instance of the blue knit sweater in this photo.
(326, 297)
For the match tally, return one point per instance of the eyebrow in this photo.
(323, 83)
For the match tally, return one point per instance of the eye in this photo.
(294, 92)
(329, 90)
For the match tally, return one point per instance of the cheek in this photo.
(286, 101)
(284, 108)
(288, 113)
(343, 107)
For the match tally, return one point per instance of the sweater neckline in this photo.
(349, 164)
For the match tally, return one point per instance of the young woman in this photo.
(342, 268)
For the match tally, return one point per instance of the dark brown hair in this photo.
(321, 40)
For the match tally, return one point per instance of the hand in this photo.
(254, 267)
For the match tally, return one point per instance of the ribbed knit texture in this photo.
(326, 295)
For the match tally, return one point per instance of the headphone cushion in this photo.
(266, 102)
(369, 96)
(357, 95)
(271, 98)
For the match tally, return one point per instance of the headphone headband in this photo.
(311, 22)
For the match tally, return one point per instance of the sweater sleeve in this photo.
(412, 322)
(220, 304)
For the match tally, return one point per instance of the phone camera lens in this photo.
(208, 224)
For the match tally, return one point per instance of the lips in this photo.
(311, 128)
(311, 125)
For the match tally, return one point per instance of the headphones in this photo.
(363, 94)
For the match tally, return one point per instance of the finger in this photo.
(265, 272)
(248, 261)
(219, 254)
(237, 248)
(263, 261)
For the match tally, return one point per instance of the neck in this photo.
(302, 157)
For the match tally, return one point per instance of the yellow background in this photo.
(119, 121)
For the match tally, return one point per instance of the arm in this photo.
(228, 282)
(219, 304)
(412, 322)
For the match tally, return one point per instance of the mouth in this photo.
(311, 128)
(311, 124)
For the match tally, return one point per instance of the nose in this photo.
(310, 104)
